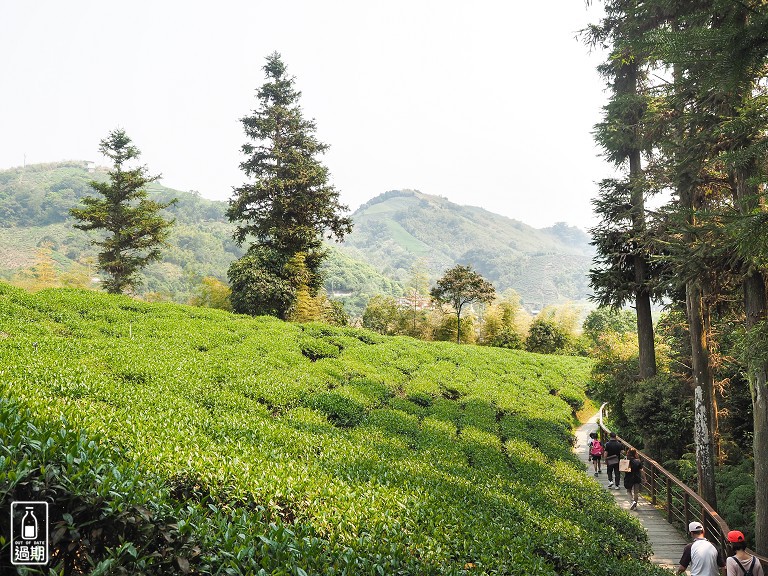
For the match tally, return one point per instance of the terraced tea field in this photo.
(172, 439)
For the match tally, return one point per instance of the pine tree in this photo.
(135, 229)
(289, 204)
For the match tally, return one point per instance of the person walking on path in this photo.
(633, 478)
(702, 556)
(613, 450)
(741, 563)
(595, 452)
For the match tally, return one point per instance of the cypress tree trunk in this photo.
(703, 383)
(698, 329)
(756, 310)
(647, 350)
(755, 306)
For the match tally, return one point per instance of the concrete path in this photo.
(666, 541)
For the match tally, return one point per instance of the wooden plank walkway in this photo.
(666, 541)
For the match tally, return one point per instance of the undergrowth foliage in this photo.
(174, 440)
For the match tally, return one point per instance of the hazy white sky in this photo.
(488, 103)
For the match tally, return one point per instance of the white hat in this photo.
(695, 527)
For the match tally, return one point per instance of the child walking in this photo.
(595, 452)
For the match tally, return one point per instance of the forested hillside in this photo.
(393, 234)
(400, 229)
(176, 439)
(37, 238)
(37, 231)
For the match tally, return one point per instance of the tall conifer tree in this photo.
(288, 205)
(135, 229)
(722, 51)
(624, 272)
(742, 39)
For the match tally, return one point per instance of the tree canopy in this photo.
(687, 116)
(460, 286)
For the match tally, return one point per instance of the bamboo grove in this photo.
(687, 126)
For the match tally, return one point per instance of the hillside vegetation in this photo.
(398, 228)
(173, 439)
(34, 217)
(34, 211)
(391, 233)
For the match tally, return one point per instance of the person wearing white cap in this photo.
(702, 556)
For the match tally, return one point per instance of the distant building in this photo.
(90, 166)
(415, 301)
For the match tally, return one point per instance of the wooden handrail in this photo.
(691, 507)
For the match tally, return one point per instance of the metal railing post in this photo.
(670, 518)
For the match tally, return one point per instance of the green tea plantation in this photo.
(177, 440)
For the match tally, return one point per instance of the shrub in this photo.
(508, 338)
(546, 337)
(316, 348)
(342, 409)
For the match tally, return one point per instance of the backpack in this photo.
(596, 449)
(751, 565)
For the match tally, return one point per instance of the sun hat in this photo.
(695, 527)
(735, 536)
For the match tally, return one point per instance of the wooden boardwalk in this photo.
(666, 541)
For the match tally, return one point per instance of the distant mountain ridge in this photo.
(398, 228)
(391, 232)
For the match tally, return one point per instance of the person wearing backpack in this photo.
(595, 452)
(633, 478)
(740, 563)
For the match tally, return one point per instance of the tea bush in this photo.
(210, 443)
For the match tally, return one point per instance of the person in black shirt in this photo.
(613, 450)
(633, 478)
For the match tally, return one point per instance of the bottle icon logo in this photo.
(29, 524)
(29, 533)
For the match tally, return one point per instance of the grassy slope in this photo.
(382, 455)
